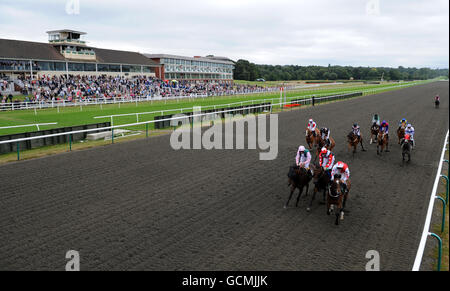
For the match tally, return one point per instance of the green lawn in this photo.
(71, 116)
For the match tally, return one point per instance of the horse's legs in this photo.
(299, 194)
(290, 196)
(361, 141)
(312, 199)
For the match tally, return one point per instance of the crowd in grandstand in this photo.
(79, 88)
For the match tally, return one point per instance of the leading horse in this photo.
(335, 199)
(383, 142)
(400, 134)
(374, 132)
(311, 137)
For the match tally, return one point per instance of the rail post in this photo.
(146, 129)
(443, 213)
(70, 142)
(18, 151)
(446, 188)
(440, 249)
(112, 135)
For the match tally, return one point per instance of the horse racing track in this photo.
(142, 206)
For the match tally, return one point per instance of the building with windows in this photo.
(67, 53)
(193, 68)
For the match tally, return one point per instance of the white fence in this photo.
(426, 229)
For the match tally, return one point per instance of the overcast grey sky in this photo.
(412, 33)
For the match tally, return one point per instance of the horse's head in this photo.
(375, 127)
(317, 172)
(336, 187)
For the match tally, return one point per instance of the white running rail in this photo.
(426, 228)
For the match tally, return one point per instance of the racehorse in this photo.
(406, 149)
(436, 103)
(298, 178)
(374, 132)
(382, 142)
(311, 140)
(321, 181)
(400, 134)
(335, 199)
(353, 141)
(321, 143)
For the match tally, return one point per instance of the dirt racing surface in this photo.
(144, 206)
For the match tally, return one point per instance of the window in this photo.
(59, 66)
(76, 67)
(103, 68)
(89, 67)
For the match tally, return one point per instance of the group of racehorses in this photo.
(335, 195)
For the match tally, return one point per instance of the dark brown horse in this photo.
(299, 178)
(335, 199)
(321, 181)
(374, 132)
(353, 141)
(383, 142)
(311, 137)
(400, 134)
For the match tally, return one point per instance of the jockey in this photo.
(356, 130)
(410, 131)
(312, 127)
(303, 158)
(437, 98)
(325, 132)
(326, 160)
(402, 123)
(341, 168)
(384, 128)
(376, 120)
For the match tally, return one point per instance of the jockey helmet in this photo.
(404, 120)
(301, 149)
(355, 125)
(340, 165)
(384, 122)
(311, 121)
(324, 150)
(409, 125)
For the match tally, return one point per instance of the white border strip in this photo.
(426, 228)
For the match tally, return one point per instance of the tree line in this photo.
(245, 70)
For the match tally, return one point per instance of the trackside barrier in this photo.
(28, 125)
(112, 127)
(434, 197)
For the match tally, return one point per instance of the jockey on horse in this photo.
(341, 169)
(376, 120)
(325, 134)
(312, 126)
(410, 131)
(303, 159)
(356, 130)
(402, 123)
(384, 128)
(326, 160)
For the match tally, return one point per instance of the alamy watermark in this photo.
(73, 7)
(221, 134)
(73, 263)
(373, 7)
(374, 261)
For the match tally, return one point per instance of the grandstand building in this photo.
(193, 68)
(67, 53)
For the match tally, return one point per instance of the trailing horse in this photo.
(353, 141)
(321, 180)
(406, 149)
(335, 199)
(383, 142)
(436, 104)
(298, 179)
(374, 133)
